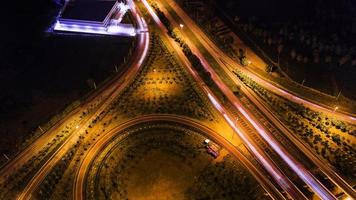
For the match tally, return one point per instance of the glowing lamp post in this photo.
(336, 108)
(181, 26)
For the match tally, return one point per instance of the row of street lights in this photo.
(335, 109)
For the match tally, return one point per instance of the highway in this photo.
(138, 58)
(321, 164)
(71, 120)
(211, 47)
(104, 97)
(80, 180)
(297, 167)
(33, 148)
(95, 99)
(274, 193)
(227, 64)
(269, 165)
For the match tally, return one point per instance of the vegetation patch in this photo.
(333, 139)
(167, 161)
(162, 86)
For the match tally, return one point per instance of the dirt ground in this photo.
(164, 178)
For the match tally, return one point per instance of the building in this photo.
(98, 17)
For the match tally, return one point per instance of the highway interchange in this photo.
(103, 98)
(227, 64)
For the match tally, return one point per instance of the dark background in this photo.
(333, 23)
(42, 72)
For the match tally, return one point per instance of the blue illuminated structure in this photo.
(97, 17)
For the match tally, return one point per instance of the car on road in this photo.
(212, 148)
(212, 152)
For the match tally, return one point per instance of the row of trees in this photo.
(220, 33)
(162, 17)
(301, 43)
(305, 53)
(46, 126)
(18, 180)
(57, 184)
(194, 60)
(48, 185)
(170, 89)
(207, 20)
(20, 177)
(314, 128)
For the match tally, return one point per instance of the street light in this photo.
(336, 108)
(338, 95)
(181, 26)
(77, 126)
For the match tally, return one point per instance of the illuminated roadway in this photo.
(80, 179)
(111, 92)
(297, 167)
(119, 85)
(140, 54)
(288, 186)
(36, 146)
(224, 60)
(33, 148)
(143, 41)
(268, 164)
(211, 47)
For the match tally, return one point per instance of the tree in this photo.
(244, 61)
(228, 40)
(293, 54)
(242, 53)
(336, 138)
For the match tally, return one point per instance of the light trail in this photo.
(225, 62)
(138, 59)
(303, 173)
(80, 180)
(265, 163)
(281, 179)
(298, 168)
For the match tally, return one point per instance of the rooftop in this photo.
(88, 10)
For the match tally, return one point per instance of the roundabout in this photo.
(162, 157)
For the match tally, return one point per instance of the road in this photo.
(269, 165)
(112, 91)
(211, 47)
(80, 180)
(225, 61)
(32, 149)
(138, 58)
(320, 163)
(296, 166)
(46, 168)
